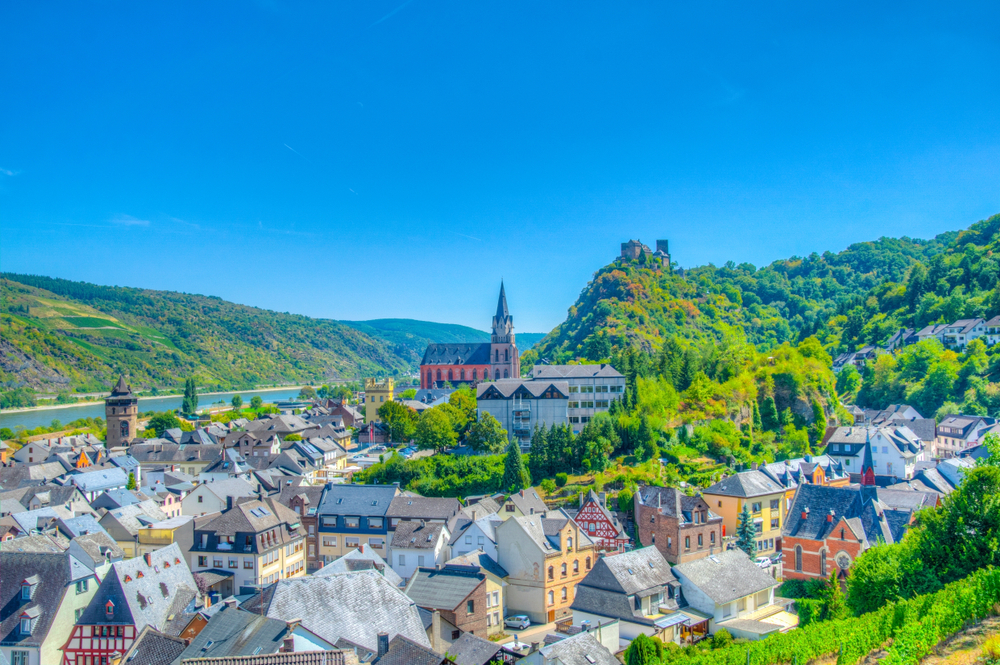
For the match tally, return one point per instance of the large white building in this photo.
(591, 388)
(519, 405)
(895, 449)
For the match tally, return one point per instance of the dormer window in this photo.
(26, 625)
(25, 591)
(109, 608)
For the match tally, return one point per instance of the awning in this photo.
(671, 620)
(694, 617)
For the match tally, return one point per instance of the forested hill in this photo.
(632, 304)
(59, 335)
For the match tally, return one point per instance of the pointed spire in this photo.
(502, 312)
(867, 462)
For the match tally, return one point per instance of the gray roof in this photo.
(235, 632)
(602, 370)
(471, 649)
(507, 388)
(481, 559)
(361, 500)
(528, 501)
(403, 651)
(171, 452)
(36, 543)
(745, 484)
(254, 516)
(353, 607)
(954, 469)
(867, 517)
(725, 576)
(580, 649)
(154, 648)
(164, 587)
(443, 589)
(134, 517)
(416, 535)
(358, 559)
(665, 499)
(50, 574)
(476, 353)
(234, 487)
(423, 507)
(630, 572)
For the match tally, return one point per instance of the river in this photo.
(67, 414)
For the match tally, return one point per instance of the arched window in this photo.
(798, 558)
(450, 377)
(576, 566)
(497, 374)
(565, 594)
(496, 355)
(506, 355)
(711, 537)
(552, 573)
(562, 570)
(125, 429)
(461, 374)
(687, 542)
(587, 563)
(822, 562)
(552, 597)
(505, 374)
(569, 543)
(439, 375)
(700, 542)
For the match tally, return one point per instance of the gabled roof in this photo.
(630, 573)
(602, 370)
(152, 647)
(234, 487)
(528, 501)
(471, 649)
(457, 354)
(404, 651)
(417, 535)
(745, 484)
(725, 576)
(481, 559)
(50, 575)
(580, 649)
(354, 607)
(134, 517)
(359, 559)
(506, 388)
(443, 589)
(254, 516)
(173, 452)
(235, 632)
(430, 508)
(361, 500)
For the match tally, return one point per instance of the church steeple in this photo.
(504, 358)
(502, 312)
(868, 488)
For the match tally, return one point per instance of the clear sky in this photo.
(360, 160)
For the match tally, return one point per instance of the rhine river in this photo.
(67, 414)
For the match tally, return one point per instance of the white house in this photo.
(476, 535)
(417, 543)
(895, 450)
(210, 497)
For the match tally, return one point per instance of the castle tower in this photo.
(505, 363)
(377, 393)
(121, 411)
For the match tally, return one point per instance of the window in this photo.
(330, 541)
(480, 540)
(885, 450)
(81, 586)
(774, 523)
(576, 567)
(470, 607)
(552, 597)
(18, 658)
(700, 541)
(351, 522)
(402, 559)
(201, 499)
(489, 620)
(352, 542)
(25, 591)
(741, 605)
(468, 540)
(562, 570)
(798, 558)
(26, 626)
(234, 563)
(455, 634)
(203, 561)
(510, 507)
(755, 507)
(248, 563)
(565, 594)
(775, 504)
(420, 559)
(687, 542)
(727, 609)
(375, 522)
(587, 563)
(711, 537)
(77, 614)
(552, 573)
(569, 544)
(822, 563)
(217, 563)
(574, 389)
(758, 527)
(496, 598)
(377, 543)
(312, 551)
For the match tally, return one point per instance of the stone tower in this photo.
(121, 410)
(504, 360)
(377, 393)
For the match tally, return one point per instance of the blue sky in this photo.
(374, 159)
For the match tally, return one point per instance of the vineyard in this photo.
(915, 626)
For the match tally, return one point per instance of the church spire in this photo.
(867, 462)
(502, 312)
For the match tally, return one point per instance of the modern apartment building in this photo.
(521, 405)
(354, 515)
(591, 388)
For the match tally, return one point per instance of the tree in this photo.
(409, 393)
(538, 460)
(307, 392)
(130, 485)
(746, 534)
(625, 498)
(487, 435)
(400, 419)
(992, 443)
(161, 422)
(848, 382)
(834, 603)
(514, 475)
(237, 402)
(434, 430)
(757, 423)
(292, 437)
(645, 446)
(256, 402)
(189, 404)
(464, 399)
(644, 650)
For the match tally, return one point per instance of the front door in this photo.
(552, 616)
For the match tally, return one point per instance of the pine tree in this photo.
(769, 414)
(835, 603)
(131, 481)
(757, 423)
(513, 468)
(190, 402)
(746, 535)
(538, 459)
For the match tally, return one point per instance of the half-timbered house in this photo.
(600, 525)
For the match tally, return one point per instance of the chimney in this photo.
(288, 645)
(383, 644)
(829, 518)
(361, 547)
(805, 513)
(753, 466)
(149, 558)
(229, 502)
(436, 631)
(229, 602)
(534, 647)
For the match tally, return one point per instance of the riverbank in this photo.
(53, 407)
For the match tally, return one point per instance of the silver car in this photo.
(519, 622)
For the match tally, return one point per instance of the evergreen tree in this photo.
(835, 605)
(190, 402)
(769, 414)
(645, 445)
(757, 423)
(487, 435)
(818, 429)
(746, 535)
(644, 650)
(538, 460)
(513, 468)
(131, 481)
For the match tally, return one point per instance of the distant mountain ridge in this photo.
(60, 335)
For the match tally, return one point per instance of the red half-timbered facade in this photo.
(600, 525)
(135, 593)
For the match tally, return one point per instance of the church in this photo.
(471, 363)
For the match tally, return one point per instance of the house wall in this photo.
(627, 630)
(209, 502)
(730, 507)
(495, 610)
(811, 553)
(543, 412)
(665, 532)
(474, 622)
(479, 541)
(413, 558)
(65, 618)
(333, 532)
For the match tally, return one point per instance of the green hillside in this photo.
(59, 335)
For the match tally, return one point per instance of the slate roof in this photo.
(23, 475)
(611, 587)
(114, 498)
(482, 508)
(235, 632)
(234, 487)
(121, 388)
(52, 573)
(602, 370)
(403, 651)
(476, 353)
(295, 658)
(361, 500)
(481, 559)
(144, 600)
(169, 453)
(745, 484)
(246, 516)
(471, 649)
(869, 519)
(358, 559)
(953, 469)
(409, 507)
(443, 589)
(580, 649)
(134, 517)
(36, 543)
(416, 535)
(528, 502)
(487, 525)
(154, 648)
(725, 576)
(507, 387)
(96, 545)
(353, 607)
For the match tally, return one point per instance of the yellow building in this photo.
(765, 498)
(377, 393)
(495, 601)
(178, 530)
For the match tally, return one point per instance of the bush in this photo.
(991, 650)
(561, 479)
(293, 437)
(548, 486)
(722, 638)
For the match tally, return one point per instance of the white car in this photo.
(763, 562)
(519, 621)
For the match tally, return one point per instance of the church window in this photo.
(798, 558)
(505, 374)
(822, 563)
(496, 355)
(497, 374)
(450, 377)
(506, 355)
(461, 374)
(439, 375)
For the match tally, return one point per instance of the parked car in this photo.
(519, 621)
(763, 562)
(776, 558)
